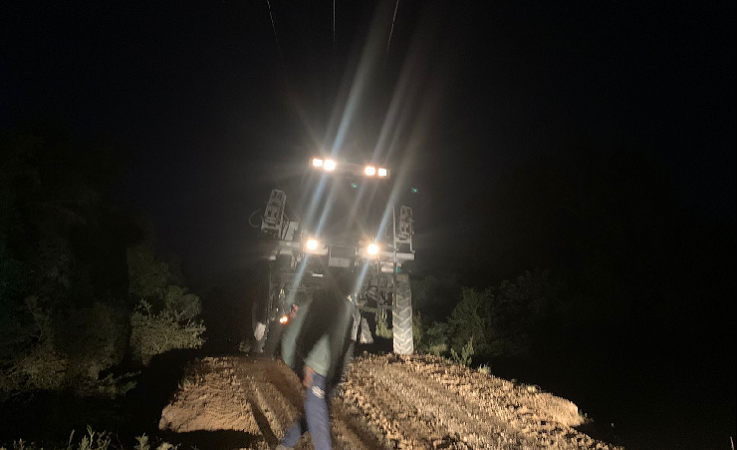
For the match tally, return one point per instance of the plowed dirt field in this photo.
(387, 402)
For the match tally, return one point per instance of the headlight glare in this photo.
(330, 164)
(372, 249)
(317, 162)
(370, 171)
(312, 244)
(382, 172)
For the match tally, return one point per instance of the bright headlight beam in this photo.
(284, 320)
(372, 249)
(317, 162)
(382, 172)
(312, 244)
(370, 170)
(330, 164)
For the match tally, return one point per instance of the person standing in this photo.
(318, 346)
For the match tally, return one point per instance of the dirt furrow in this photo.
(348, 417)
(543, 419)
(382, 406)
(210, 398)
(387, 403)
(276, 401)
(448, 418)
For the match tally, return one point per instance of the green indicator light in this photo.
(354, 185)
(414, 190)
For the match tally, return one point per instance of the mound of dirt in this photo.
(210, 398)
(387, 402)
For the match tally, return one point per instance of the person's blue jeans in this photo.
(316, 419)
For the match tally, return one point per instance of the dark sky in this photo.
(207, 106)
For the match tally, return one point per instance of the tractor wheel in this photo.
(258, 321)
(403, 335)
(261, 305)
(272, 342)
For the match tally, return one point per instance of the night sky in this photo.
(208, 108)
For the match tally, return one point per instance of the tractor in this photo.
(340, 218)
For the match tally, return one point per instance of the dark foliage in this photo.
(62, 262)
(67, 290)
(607, 227)
(637, 301)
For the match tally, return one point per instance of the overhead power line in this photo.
(274, 31)
(393, 25)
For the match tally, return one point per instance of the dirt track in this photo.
(387, 402)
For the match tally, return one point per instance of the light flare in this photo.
(312, 244)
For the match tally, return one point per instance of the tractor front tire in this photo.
(274, 336)
(403, 321)
(260, 299)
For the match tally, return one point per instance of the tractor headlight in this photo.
(330, 164)
(370, 171)
(312, 244)
(372, 249)
(382, 172)
(317, 162)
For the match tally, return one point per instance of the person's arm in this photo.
(349, 352)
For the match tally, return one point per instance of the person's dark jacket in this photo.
(322, 336)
